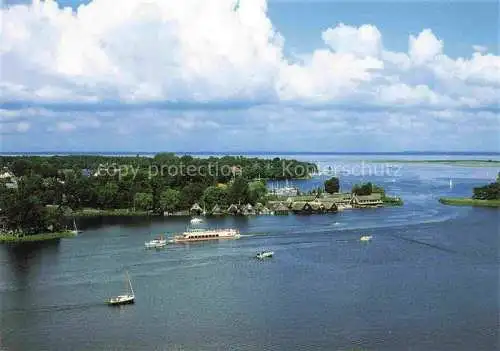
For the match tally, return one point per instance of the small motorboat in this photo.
(124, 299)
(366, 238)
(264, 254)
(156, 243)
(196, 220)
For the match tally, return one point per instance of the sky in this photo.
(249, 75)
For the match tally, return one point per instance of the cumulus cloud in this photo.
(189, 56)
(203, 51)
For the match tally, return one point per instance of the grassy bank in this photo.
(12, 238)
(463, 201)
(392, 201)
(93, 212)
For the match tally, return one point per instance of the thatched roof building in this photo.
(196, 209)
(216, 210)
(373, 200)
(233, 209)
(281, 209)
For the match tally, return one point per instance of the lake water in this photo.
(427, 281)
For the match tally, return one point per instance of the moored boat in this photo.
(157, 243)
(124, 299)
(196, 220)
(366, 238)
(206, 234)
(264, 254)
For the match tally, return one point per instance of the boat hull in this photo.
(121, 301)
(182, 240)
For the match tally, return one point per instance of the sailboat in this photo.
(125, 298)
(75, 229)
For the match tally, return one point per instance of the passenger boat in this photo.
(264, 254)
(366, 238)
(157, 243)
(124, 299)
(206, 234)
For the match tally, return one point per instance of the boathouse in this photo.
(362, 201)
(281, 209)
(196, 209)
(217, 211)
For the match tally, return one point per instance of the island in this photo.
(484, 196)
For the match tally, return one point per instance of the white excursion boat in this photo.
(124, 299)
(156, 243)
(196, 220)
(366, 238)
(264, 254)
(206, 234)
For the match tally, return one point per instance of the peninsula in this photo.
(484, 196)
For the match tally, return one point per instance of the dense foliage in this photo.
(45, 186)
(367, 189)
(488, 192)
(332, 185)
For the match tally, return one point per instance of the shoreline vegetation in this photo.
(40, 195)
(465, 201)
(483, 196)
(19, 238)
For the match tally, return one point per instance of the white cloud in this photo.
(480, 48)
(364, 41)
(425, 47)
(204, 51)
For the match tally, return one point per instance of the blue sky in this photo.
(277, 75)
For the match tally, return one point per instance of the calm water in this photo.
(427, 281)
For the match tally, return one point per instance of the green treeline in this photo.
(36, 192)
(488, 192)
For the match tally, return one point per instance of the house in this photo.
(234, 210)
(280, 209)
(217, 211)
(329, 205)
(363, 201)
(248, 210)
(339, 198)
(301, 207)
(317, 207)
(196, 209)
(265, 211)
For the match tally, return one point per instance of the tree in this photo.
(106, 196)
(143, 201)
(363, 189)
(214, 195)
(257, 190)
(21, 167)
(239, 192)
(191, 194)
(169, 200)
(332, 185)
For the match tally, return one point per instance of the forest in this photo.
(37, 192)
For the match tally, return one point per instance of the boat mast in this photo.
(130, 284)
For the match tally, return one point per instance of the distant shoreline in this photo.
(465, 163)
(255, 153)
(464, 201)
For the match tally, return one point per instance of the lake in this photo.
(427, 281)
